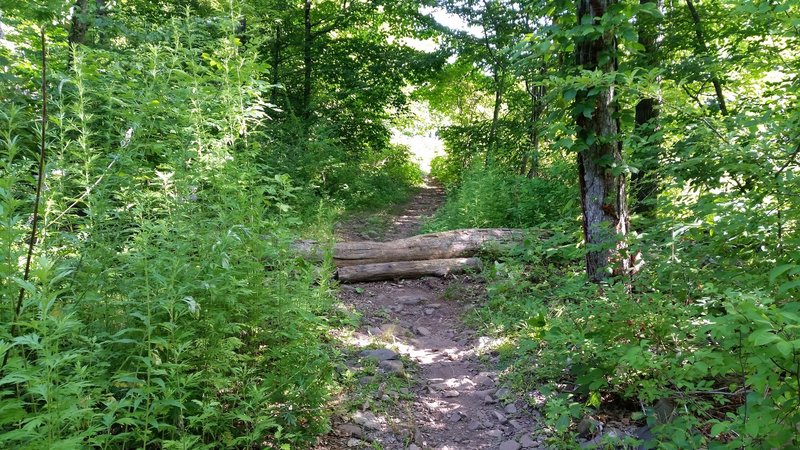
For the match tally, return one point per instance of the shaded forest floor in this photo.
(419, 376)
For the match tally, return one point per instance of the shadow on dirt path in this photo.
(421, 383)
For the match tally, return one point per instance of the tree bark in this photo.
(536, 94)
(444, 245)
(276, 64)
(80, 23)
(702, 47)
(644, 183)
(407, 269)
(307, 61)
(498, 102)
(603, 196)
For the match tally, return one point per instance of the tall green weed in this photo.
(491, 197)
(165, 307)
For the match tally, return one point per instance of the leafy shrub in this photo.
(445, 172)
(724, 357)
(165, 308)
(494, 198)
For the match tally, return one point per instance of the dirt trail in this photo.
(422, 385)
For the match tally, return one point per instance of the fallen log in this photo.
(407, 269)
(443, 245)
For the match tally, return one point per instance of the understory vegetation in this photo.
(163, 307)
(700, 340)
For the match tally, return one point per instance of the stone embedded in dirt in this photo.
(612, 436)
(516, 424)
(381, 354)
(588, 427)
(428, 311)
(503, 393)
(489, 400)
(443, 386)
(392, 366)
(644, 434)
(495, 433)
(509, 445)
(423, 331)
(393, 329)
(511, 409)
(367, 420)
(348, 429)
(419, 439)
(353, 442)
(410, 299)
(475, 425)
(366, 380)
(482, 381)
(454, 417)
(500, 417)
(527, 442)
(435, 305)
(413, 447)
(375, 331)
(451, 393)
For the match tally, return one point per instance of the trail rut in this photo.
(431, 390)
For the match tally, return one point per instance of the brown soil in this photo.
(437, 394)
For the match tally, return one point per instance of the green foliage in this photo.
(725, 355)
(494, 198)
(709, 318)
(165, 308)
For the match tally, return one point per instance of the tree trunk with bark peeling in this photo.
(603, 195)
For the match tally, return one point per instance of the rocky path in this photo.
(421, 383)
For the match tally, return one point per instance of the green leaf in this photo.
(763, 337)
(719, 428)
(27, 285)
(752, 427)
(785, 348)
(776, 272)
(570, 94)
(789, 286)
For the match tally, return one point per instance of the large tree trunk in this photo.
(444, 245)
(603, 196)
(407, 269)
(702, 47)
(644, 183)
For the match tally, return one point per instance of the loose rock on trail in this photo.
(421, 382)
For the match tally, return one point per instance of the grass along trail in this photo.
(420, 381)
